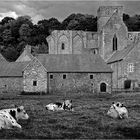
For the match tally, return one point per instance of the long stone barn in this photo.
(67, 73)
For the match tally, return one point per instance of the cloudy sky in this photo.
(44, 9)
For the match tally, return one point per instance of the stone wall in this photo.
(35, 77)
(105, 12)
(78, 82)
(74, 41)
(11, 83)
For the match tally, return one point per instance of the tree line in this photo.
(16, 33)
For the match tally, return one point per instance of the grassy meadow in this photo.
(88, 121)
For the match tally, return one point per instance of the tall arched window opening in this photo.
(115, 43)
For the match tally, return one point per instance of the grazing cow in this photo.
(66, 105)
(9, 117)
(118, 110)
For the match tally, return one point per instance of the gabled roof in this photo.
(73, 63)
(12, 69)
(25, 56)
(120, 54)
(2, 58)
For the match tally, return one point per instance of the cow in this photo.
(9, 117)
(66, 105)
(118, 110)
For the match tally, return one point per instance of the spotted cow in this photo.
(66, 105)
(118, 110)
(9, 117)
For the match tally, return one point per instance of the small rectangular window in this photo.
(91, 76)
(34, 83)
(51, 76)
(64, 76)
(130, 67)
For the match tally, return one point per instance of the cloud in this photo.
(45, 9)
(8, 14)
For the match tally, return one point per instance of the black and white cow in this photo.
(9, 117)
(118, 110)
(66, 105)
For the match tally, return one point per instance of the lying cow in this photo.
(66, 105)
(118, 110)
(9, 117)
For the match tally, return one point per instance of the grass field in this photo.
(89, 120)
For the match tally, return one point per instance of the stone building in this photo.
(112, 41)
(67, 73)
(77, 60)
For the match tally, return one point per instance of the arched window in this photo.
(63, 46)
(103, 87)
(114, 43)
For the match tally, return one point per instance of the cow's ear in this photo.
(18, 109)
(70, 101)
(21, 107)
(16, 106)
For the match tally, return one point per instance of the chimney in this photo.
(28, 48)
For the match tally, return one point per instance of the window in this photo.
(103, 87)
(63, 46)
(130, 67)
(91, 76)
(34, 83)
(64, 76)
(94, 51)
(114, 43)
(51, 76)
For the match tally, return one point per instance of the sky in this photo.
(44, 9)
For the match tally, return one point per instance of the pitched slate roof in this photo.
(120, 54)
(73, 63)
(12, 69)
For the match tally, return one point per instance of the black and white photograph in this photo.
(69, 69)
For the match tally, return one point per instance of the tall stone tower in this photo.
(112, 30)
(105, 12)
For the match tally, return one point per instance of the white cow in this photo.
(9, 117)
(118, 110)
(66, 105)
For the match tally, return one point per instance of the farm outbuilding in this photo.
(66, 73)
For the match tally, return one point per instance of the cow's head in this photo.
(19, 113)
(67, 104)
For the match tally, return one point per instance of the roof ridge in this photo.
(109, 19)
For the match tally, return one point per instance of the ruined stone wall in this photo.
(79, 82)
(74, 41)
(35, 77)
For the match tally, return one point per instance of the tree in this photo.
(10, 53)
(24, 32)
(54, 24)
(6, 20)
(7, 36)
